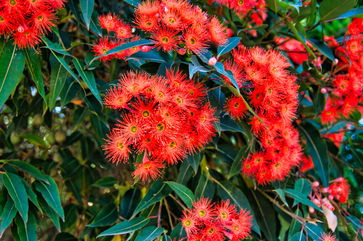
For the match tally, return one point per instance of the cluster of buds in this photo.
(338, 190)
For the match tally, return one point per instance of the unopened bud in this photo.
(324, 190)
(181, 51)
(146, 48)
(323, 90)
(212, 61)
(316, 184)
(311, 210)
(316, 202)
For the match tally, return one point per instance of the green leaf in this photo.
(35, 139)
(227, 191)
(330, 9)
(13, 183)
(87, 7)
(322, 48)
(51, 195)
(106, 216)
(106, 182)
(150, 56)
(314, 231)
(356, 12)
(33, 63)
(281, 194)
(357, 224)
(205, 188)
(50, 213)
(7, 215)
(273, 5)
(301, 198)
(194, 161)
(183, 192)
(237, 162)
(11, 68)
(129, 202)
(133, 3)
(228, 124)
(24, 166)
(317, 149)
(27, 231)
(65, 65)
(88, 78)
(220, 69)
(125, 227)
(156, 192)
(231, 44)
(149, 233)
(31, 194)
(58, 78)
(55, 47)
(126, 46)
(302, 186)
(265, 215)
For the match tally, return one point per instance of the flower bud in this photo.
(146, 48)
(212, 61)
(323, 90)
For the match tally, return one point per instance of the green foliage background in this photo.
(55, 183)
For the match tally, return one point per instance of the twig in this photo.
(178, 202)
(347, 164)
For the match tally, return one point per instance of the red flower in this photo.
(340, 189)
(148, 170)
(306, 163)
(236, 107)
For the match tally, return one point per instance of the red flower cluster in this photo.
(210, 222)
(26, 20)
(165, 118)
(346, 95)
(178, 25)
(273, 95)
(172, 24)
(120, 33)
(243, 7)
(294, 49)
(339, 189)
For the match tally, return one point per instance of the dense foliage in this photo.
(181, 120)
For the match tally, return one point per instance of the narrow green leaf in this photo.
(129, 202)
(58, 78)
(156, 192)
(149, 233)
(317, 149)
(27, 231)
(322, 48)
(302, 186)
(11, 68)
(314, 231)
(7, 215)
(231, 44)
(33, 63)
(205, 188)
(35, 139)
(106, 182)
(356, 12)
(183, 192)
(330, 9)
(301, 198)
(24, 166)
(31, 194)
(281, 194)
(51, 195)
(17, 192)
(126, 46)
(133, 3)
(50, 213)
(264, 215)
(150, 56)
(88, 78)
(106, 216)
(87, 7)
(55, 47)
(220, 69)
(125, 227)
(65, 65)
(194, 161)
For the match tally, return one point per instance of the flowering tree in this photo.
(181, 120)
